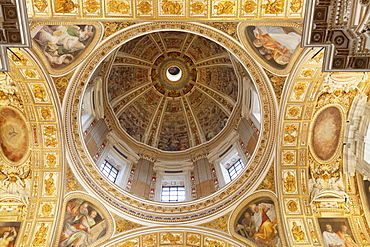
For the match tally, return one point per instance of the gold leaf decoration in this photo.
(123, 225)
(275, 7)
(225, 8)
(171, 7)
(40, 5)
(116, 6)
(277, 83)
(112, 27)
(296, 5)
(61, 84)
(92, 6)
(144, 7)
(72, 183)
(249, 7)
(64, 6)
(219, 223)
(197, 8)
(268, 182)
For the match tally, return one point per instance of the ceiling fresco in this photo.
(167, 93)
(201, 99)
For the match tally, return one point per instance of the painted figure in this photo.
(331, 239)
(83, 226)
(265, 218)
(61, 44)
(276, 43)
(7, 238)
(346, 238)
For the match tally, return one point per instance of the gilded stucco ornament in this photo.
(171, 7)
(145, 7)
(123, 225)
(296, 5)
(15, 183)
(61, 84)
(64, 6)
(116, 6)
(9, 94)
(41, 5)
(274, 7)
(197, 7)
(221, 223)
(249, 6)
(92, 6)
(225, 8)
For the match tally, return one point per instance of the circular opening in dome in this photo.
(174, 73)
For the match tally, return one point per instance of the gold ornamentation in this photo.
(14, 182)
(64, 6)
(288, 157)
(50, 132)
(193, 239)
(299, 89)
(171, 7)
(289, 182)
(39, 92)
(129, 244)
(290, 132)
(249, 7)
(293, 111)
(275, 7)
(30, 73)
(214, 243)
(92, 6)
(226, 27)
(298, 233)
(123, 225)
(296, 5)
(225, 8)
(197, 8)
(40, 5)
(169, 237)
(18, 58)
(219, 223)
(149, 240)
(112, 27)
(46, 209)
(41, 234)
(337, 97)
(50, 185)
(144, 7)
(9, 94)
(292, 206)
(46, 113)
(268, 182)
(116, 6)
(72, 184)
(61, 84)
(51, 160)
(308, 72)
(277, 83)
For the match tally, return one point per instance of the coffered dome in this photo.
(173, 90)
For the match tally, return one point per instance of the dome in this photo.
(173, 90)
(172, 116)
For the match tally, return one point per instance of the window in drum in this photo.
(173, 194)
(110, 171)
